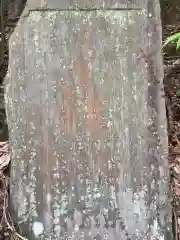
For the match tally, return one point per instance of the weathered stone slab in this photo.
(88, 4)
(87, 125)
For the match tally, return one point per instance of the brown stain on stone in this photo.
(93, 116)
(83, 69)
(69, 108)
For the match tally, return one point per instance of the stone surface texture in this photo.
(87, 122)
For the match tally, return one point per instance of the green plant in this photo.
(174, 38)
(178, 92)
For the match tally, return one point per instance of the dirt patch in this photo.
(5, 220)
(172, 91)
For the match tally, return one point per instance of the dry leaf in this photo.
(4, 155)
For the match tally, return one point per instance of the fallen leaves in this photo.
(4, 155)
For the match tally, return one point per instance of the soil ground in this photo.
(172, 90)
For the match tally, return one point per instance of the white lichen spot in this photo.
(156, 231)
(82, 198)
(34, 17)
(37, 228)
(57, 228)
(144, 11)
(76, 229)
(48, 198)
(98, 195)
(52, 15)
(56, 220)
